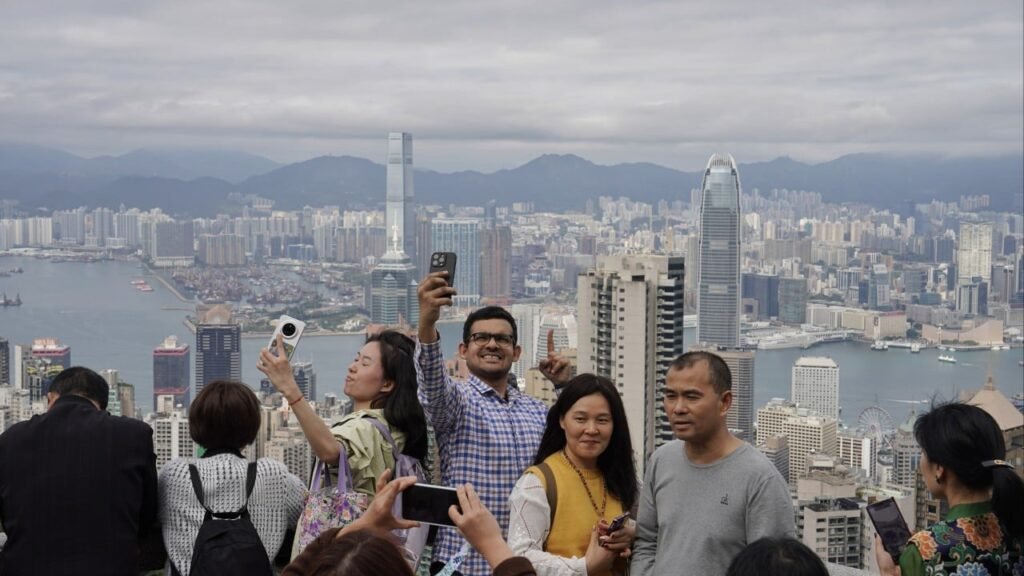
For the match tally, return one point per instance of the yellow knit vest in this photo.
(575, 516)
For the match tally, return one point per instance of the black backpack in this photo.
(228, 543)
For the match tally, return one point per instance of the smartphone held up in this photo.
(290, 330)
(444, 262)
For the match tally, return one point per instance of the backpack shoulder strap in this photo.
(385, 432)
(197, 486)
(250, 483)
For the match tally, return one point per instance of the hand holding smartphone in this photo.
(429, 504)
(291, 330)
(444, 262)
(890, 525)
(618, 522)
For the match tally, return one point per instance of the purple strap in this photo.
(321, 476)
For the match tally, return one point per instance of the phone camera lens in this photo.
(288, 330)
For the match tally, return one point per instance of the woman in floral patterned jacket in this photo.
(962, 462)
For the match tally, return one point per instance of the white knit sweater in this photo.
(274, 506)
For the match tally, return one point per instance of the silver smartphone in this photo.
(291, 329)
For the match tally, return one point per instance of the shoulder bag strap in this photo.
(550, 488)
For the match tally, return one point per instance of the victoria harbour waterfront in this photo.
(94, 309)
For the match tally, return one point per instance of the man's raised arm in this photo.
(439, 396)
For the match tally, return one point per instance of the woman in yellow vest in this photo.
(583, 477)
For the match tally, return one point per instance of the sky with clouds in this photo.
(488, 85)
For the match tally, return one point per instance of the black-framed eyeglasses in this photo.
(484, 338)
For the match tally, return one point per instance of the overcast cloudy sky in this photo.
(486, 85)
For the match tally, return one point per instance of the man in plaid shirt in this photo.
(487, 432)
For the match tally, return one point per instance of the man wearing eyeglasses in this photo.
(487, 432)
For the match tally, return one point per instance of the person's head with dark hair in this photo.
(777, 557)
(402, 408)
(361, 553)
(225, 415)
(490, 345)
(719, 374)
(963, 456)
(698, 395)
(80, 381)
(589, 422)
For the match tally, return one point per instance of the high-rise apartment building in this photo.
(496, 262)
(833, 529)
(858, 451)
(398, 214)
(305, 378)
(171, 437)
(879, 288)
(763, 289)
(906, 454)
(50, 348)
(218, 346)
(974, 252)
(740, 417)
(461, 236)
(630, 323)
(815, 385)
(113, 396)
(174, 242)
(776, 449)
(718, 296)
(807, 432)
(5, 362)
(793, 300)
(126, 397)
(172, 367)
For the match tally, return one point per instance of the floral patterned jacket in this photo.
(969, 542)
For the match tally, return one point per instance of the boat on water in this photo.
(948, 359)
(5, 302)
(880, 346)
(915, 348)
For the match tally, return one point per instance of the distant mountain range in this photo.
(203, 183)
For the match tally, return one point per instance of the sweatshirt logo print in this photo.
(725, 500)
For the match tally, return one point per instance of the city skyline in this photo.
(477, 84)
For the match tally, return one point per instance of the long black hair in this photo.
(966, 439)
(402, 408)
(616, 462)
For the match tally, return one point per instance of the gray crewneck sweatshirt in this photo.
(695, 518)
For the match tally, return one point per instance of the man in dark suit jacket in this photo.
(77, 485)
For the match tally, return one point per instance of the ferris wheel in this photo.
(876, 423)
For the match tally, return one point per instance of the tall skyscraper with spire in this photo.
(393, 300)
(718, 296)
(399, 214)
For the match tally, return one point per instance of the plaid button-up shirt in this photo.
(482, 439)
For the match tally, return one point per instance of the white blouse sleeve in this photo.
(528, 527)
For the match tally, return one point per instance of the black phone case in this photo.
(448, 265)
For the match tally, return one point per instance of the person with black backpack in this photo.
(220, 513)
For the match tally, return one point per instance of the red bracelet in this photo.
(296, 401)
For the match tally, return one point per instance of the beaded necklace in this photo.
(604, 499)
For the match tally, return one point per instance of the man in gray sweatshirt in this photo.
(707, 494)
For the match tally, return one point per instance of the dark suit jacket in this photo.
(77, 488)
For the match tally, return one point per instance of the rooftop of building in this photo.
(816, 362)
